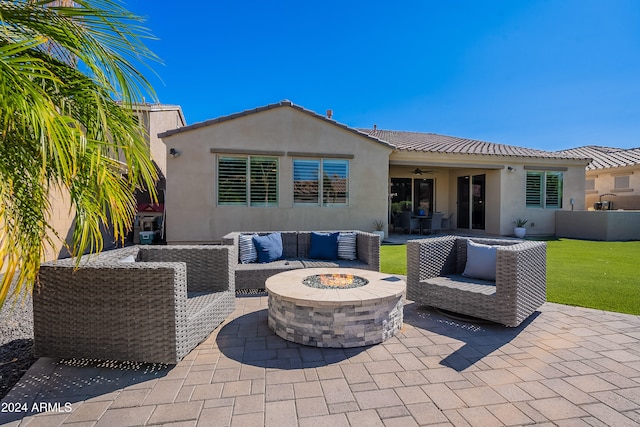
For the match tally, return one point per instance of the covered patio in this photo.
(563, 366)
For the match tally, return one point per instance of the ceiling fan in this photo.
(418, 171)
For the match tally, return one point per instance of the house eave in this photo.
(284, 103)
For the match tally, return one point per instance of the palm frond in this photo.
(68, 125)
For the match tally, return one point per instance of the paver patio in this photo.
(563, 366)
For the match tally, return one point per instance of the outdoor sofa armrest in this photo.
(113, 311)
(210, 268)
(368, 249)
(428, 258)
(521, 274)
(232, 239)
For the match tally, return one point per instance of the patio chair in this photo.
(140, 303)
(446, 222)
(409, 224)
(435, 268)
(434, 223)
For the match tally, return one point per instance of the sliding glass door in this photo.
(471, 202)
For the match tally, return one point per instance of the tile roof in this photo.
(403, 141)
(606, 157)
(434, 143)
(284, 103)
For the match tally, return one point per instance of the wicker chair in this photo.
(434, 277)
(156, 309)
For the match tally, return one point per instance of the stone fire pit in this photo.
(336, 307)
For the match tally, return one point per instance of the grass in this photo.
(600, 275)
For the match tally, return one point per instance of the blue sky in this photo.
(542, 74)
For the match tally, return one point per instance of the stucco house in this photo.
(612, 177)
(283, 167)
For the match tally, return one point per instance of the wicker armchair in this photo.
(156, 309)
(434, 277)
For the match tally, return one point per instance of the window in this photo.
(246, 181)
(544, 190)
(621, 182)
(305, 181)
(310, 189)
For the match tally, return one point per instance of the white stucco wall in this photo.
(193, 214)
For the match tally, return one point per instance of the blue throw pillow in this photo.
(324, 246)
(269, 247)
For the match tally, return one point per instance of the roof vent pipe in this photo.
(375, 127)
(329, 113)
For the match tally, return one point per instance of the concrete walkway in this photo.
(565, 366)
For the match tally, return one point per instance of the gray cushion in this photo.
(481, 261)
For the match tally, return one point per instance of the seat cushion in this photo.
(462, 283)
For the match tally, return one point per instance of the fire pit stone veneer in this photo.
(335, 316)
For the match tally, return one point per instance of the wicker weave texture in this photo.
(520, 286)
(148, 311)
(253, 276)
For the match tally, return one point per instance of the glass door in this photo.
(464, 190)
(477, 201)
(471, 202)
(423, 195)
(400, 198)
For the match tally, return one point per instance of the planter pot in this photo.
(379, 233)
(520, 232)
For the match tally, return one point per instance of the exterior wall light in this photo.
(173, 152)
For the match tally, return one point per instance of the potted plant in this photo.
(519, 230)
(378, 226)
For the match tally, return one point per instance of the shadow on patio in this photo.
(248, 340)
(480, 338)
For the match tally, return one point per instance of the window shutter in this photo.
(232, 180)
(534, 190)
(621, 182)
(264, 181)
(553, 190)
(306, 181)
(335, 182)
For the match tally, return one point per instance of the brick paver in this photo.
(564, 366)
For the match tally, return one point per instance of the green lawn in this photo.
(601, 275)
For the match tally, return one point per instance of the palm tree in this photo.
(66, 124)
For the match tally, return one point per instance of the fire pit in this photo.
(348, 308)
(331, 281)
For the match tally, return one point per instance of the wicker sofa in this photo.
(296, 246)
(156, 309)
(434, 278)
